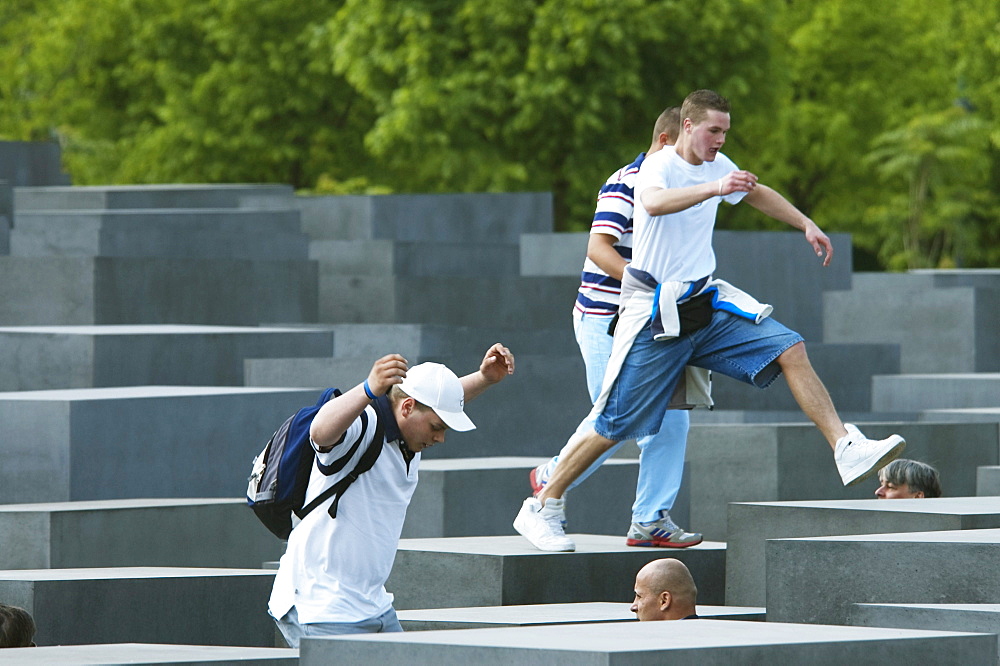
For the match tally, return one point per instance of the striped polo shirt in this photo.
(599, 293)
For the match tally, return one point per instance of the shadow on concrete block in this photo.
(485, 617)
(204, 532)
(144, 605)
(978, 618)
(137, 442)
(713, 642)
(751, 524)
(62, 357)
(500, 571)
(817, 580)
(144, 653)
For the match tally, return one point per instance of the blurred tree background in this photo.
(876, 119)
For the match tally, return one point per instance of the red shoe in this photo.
(536, 486)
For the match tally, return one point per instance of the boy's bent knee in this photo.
(793, 355)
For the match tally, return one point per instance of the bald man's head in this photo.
(664, 590)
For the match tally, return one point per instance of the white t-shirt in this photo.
(335, 570)
(677, 246)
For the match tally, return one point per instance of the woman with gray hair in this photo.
(17, 627)
(903, 479)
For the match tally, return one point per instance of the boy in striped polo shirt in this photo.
(609, 250)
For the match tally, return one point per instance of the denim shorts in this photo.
(730, 345)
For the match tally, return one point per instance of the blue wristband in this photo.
(368, 391)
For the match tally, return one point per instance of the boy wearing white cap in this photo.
(331, 579)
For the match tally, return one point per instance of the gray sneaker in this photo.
(662, 533)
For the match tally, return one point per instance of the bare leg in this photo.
(809, 392)
(581, 452)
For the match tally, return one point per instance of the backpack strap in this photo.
(367, 461)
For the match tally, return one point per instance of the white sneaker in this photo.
(543, 525)
(858, 457)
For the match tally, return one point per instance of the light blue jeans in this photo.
(661, 456)
(294, 632)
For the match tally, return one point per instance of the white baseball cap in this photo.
(439, 388)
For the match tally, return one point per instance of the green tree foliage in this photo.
(536, 94)
(183, 91)
(935, 176)
(884, 129)
(878, 119)
(415, 95)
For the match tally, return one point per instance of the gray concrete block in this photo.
(793, 281)
(481, 496)
(947, 617)
(381, 257)
(783, 462)
(751, 524)
(507, 570)
(975, 618)
(759, 417)
(39, 291)
(137, 442)
(203, 532)
(147, 654)
(131, 197)
(972, 415)
(485, 617)
(58, 357)
(358, 299)
(960, 277)
(550, 255)
(335, 217)
(920, 392)
(183, 233)
(452, 218)
(474, 301)
(144, 605)
(928, 278)
(25, 163)
(713, 642)
(446, 344)
(340, 372)
(58, 290)
(939, 330)
(880, 282)
(988, 480)
(818, 579)
(442, 341)
(846, 370)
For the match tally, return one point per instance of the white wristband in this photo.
(720, 187)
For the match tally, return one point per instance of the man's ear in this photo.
(665, 600)
(406, 406)
(918, 495)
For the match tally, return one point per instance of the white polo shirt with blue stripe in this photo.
(334, 570)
